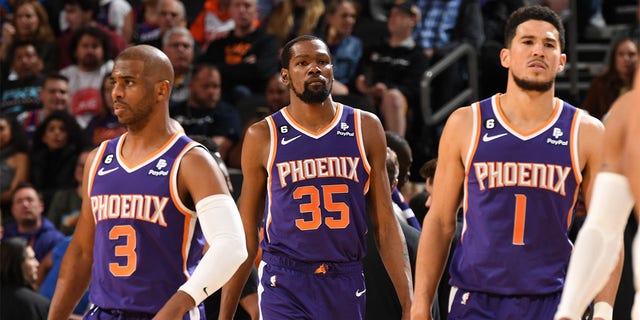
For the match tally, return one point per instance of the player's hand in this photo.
(176, 307)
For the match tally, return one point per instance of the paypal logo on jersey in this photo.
(343, 130)
(161, 164)
(557, 133)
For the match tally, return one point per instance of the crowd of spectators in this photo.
(56, 59)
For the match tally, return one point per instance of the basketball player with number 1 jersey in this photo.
(519, 160)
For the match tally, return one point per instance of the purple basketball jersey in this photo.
(147, 242)
(520, 190)
(315, 204)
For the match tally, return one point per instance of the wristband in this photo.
(603, 310)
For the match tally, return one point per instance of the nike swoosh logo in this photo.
(487, 138)
(102, 171)
(205, 291)
(285, 142)
(360, 293)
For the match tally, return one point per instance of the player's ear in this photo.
(163, 89)
(505, 60)
(284, 73)
(563, 61)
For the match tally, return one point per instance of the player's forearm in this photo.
(433, 250)
(232, 290)
(75, 275)
(608, 293)
(395, 257)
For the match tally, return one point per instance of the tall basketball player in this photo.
(519, 159)
(150, 200)
(615, 189)
(312, 171)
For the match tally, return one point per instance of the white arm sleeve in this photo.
(598, 244)
(222, 228)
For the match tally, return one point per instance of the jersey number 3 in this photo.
(313, 207)
(127, 250)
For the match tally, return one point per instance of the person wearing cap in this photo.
(390, 73)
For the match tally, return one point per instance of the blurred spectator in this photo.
(64, 209)
(91, 62)
(292, 18)
(391, 73)
(27, 208)
(104, 125)
(616, 80)
(14, 160)
(204, 113)
(56, 146)
(21, 94)
(81, 14)
(17, 275)
(118, 16)
(213, 22)
(246, 57)
(170, 14)
(346, 49)
(54, 95)
(146, 21)
(178, 45)
(31, 24)
(401, 149)
(48, 286)
(275, 97)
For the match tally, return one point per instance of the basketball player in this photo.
(151, 198)
(315, 168)
(614, 191)
(519, 160)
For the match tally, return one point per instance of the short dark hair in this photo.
(286, 50)
(12, 254)
(85, 5)
(428, 169)
(26, 185)
(55, 76)
(93, 32)
(19, 44)
(527, 13)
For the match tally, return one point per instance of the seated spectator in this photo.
(27, 207)
(64, 209)
(91, 62)
(616, 80)
(31, 24)
(14, 160)
(247, 57)
(171, 14)
(146, 21)
(117, 15)
(275, 97)
(204, 113)
(178, 45)
(104, 125)
(401, 148)
(18, 273)
(56, 146)
(391, 73)
(21, 94)
(82, 14)
(346, 49)
(49, 284)
(213, 22)
(292, 18)
(54, 95)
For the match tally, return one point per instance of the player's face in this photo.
(535, 56)
(310, 73)
(133, 95)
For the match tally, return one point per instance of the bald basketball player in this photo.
(152, 198)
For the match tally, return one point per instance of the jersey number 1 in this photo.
(519, 219)
(313, 207)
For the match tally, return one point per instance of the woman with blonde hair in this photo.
(292, 18)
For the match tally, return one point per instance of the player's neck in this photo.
(527, 108)
(141, 142)
(312, 116)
